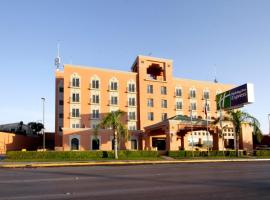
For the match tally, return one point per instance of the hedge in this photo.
(187, 154)
(78, 155)
(262, 153)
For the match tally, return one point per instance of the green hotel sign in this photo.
(236, 97)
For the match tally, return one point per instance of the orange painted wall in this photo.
(13, 142)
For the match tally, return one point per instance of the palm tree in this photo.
(112, 120)
(237, 118)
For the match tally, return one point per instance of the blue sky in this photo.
(232, 36)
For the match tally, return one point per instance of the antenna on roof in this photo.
(215, 74)
(57, 60)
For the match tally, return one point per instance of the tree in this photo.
(113, 121)
(237, 118)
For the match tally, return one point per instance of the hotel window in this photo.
(131, 115)
(178, 92)
(192, 93)
(95, 98)
(164, 116)
(150, 89)
(75, 112)
(192, 106)
(150, 102)
(207, 107)
(61, 102)
(76, 82)
(163, 90)
(132, 127)
(75, 125)
(164, 103)
(131, 87)
(114, 85)
(61, 115)
(131, 101)
(179, 105)
(114, 100)
(75, 97)
(61, 89)
(206, 94)
(95, 114)
(95, 84)
(150, 116)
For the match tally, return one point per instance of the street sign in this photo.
(236, 97)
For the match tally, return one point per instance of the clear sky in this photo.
(232, 36)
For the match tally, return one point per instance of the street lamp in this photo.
(43, 130)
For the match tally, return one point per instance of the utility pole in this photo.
(191, 132)
(43, 130)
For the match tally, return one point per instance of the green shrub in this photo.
(78, 155)
(263, 153)
(214, 153)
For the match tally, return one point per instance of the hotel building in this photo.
(157, 106)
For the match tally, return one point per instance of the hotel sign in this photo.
(236, 97)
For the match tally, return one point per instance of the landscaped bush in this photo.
(78, 155)
(262, 153)
(188, 154)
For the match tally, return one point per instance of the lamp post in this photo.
(191, 123)
(43, 120)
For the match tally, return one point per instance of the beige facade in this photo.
(149, 94)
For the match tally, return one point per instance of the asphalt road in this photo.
(175, 181)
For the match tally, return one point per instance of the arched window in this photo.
(74, 144)
(95, 144)
(95, 82)
(114, 84)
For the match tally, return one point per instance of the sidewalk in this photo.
(120, 162)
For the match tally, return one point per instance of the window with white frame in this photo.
(179, 105)
(75, 112)
(164, 116)
(114, 85)
(206, 94)
(150, 89)
(131, 87)
(163, 90)
(150, 102)
(75, 125)
(75, 97)
(114, 100)
(192, 93)
(193, 106)
(95, 113)
(163, 103)
(178, 92)
(75, 82)
(132, 115)
(95, 98)
(95, 84)
(132, 127)
(131, 101)
(150, 116)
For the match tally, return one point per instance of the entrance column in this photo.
(172, 144)
(217, 141)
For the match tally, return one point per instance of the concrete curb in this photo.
(117, 163)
